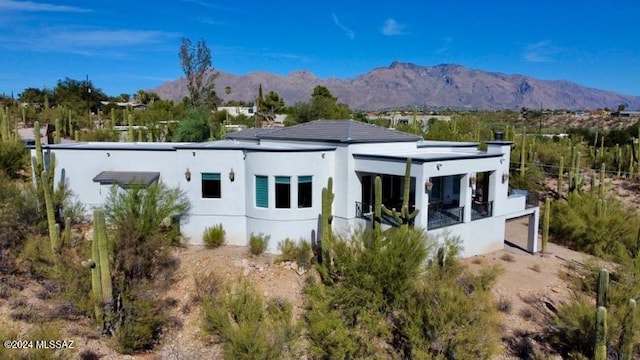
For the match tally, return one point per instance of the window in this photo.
(304, 191)
(262, 191)
(283, 192)
(211, 185)
(456, 184)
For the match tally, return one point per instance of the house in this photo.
(270, 181)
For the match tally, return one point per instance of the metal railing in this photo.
(481, 210)
(440, 217)
(384, 219)
(533, 199)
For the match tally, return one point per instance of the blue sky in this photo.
(124, 46)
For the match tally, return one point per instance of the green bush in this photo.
(299, 252)
(380, 297)
(44, 331)
(19, 215)
(100, 135)
(249, 328)
(613, 235)
(13, 157)
(213, 236)
(258, 243)
(141, 326)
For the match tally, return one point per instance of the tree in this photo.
(195, 127)
(146, 97)
(196, 64)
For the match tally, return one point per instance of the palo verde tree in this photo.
(196, 64)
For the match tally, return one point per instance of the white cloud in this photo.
(38, 7)
(88, 42)
(542, 51)
(350, 34)
(391, 27)
(445, 47)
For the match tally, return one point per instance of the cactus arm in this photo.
(377, 209)
(54, 229)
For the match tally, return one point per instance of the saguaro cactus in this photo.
(404, 216)
(560, 176)
(545, 224)
(600, 348)
(57, 134)
(54, 228)
(628, 332)
(523, 158)
(603, 288)
(101, 286)
(327, 216)
(377, 206)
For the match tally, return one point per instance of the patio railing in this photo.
(481, 210)
(441, 217)
(368, 215)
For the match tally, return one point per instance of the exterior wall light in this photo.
(428, 186)
(505, 177)
(232, 175)
(187, 175)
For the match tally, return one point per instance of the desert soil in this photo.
(526, 283)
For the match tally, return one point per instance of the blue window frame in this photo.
(262, 191)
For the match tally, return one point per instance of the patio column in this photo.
(465, 197)
(422, 200)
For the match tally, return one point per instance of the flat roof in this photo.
(428, 157)
(97, 145)
(438, 143)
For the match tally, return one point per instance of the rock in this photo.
(294, 266)
(247, 271)
(301, 270)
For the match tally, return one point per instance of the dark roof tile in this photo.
(341, 131)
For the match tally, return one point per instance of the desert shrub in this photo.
(213, 236)
(299, 252)
(380, 297)
(38, 257)
(139, 227)
(507, 257)
(571, 329)
(576, 224)
(247, 327)
(258, 243)
(100, 135)
(42, 331)
(14, 157)
(207, 285)
(19, 215)
(141, 326)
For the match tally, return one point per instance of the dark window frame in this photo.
(305, 192)
(283, 192)
(211, 185)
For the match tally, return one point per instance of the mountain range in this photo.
(406, 85)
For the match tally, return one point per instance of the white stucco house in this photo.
(270, 181)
